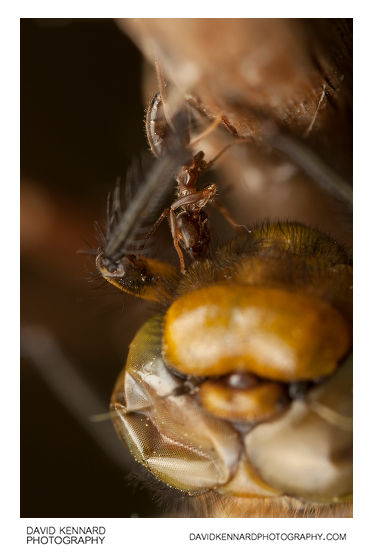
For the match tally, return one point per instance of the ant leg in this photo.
(310, 126)
(176, 236)
(173, 101)
(207, 131)
(161, 80)
(214, 159)
(227, 216)
(199, 199)
(171, 218)
(164, 214)
(162, 90)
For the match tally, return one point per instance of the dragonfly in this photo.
(236, 393)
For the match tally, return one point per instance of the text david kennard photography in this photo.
(65, 534)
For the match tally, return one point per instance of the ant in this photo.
(186, 216)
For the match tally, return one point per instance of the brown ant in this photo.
(187, 219)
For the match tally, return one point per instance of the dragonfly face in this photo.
(262, 333)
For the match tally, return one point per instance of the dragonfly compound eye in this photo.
(172, 435)
(272, 333)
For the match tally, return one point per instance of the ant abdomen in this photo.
(195, 233)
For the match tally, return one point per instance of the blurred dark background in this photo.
(81, 125)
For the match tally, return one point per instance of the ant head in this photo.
(199, 164)
(198, 157)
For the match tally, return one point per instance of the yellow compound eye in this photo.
(172, 436)
(273, 333)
